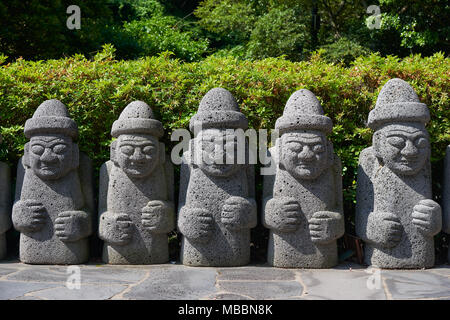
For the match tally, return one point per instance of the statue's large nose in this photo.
(137, 156)
(306, 154)
(410, 150)
(220, 154)
(48, 156)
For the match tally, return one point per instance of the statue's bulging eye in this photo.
(128, 150)
(421, 142)
(207, 146)
(37, 149)
(60, 148)
(397, 142)
(148, 149)
(318, 148)
(295, 147)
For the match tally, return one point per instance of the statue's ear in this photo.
(376, 143)
(112, 151)
(162, 153)
(279, 153)
(330, 152)
(75, 156)
(191, 153)
(26, 155)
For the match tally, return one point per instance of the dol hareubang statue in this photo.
(395, 214)
(136, 191)
(446, 195)
(217, 207)
(303, 200)
(5, 205)
(54, 198)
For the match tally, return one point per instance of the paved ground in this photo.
(171, 281)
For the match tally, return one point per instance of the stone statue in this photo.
(216, 205)
(446, 195)
(54, 203)
(303, 200)
(395, 214)
(136, 191)
(5, 205)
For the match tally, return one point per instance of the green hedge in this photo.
(97, 91)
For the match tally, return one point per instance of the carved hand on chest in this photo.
(427, 217)
(158, 216)
(29, 215)
(238, 213)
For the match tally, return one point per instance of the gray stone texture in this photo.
(54, 202)
(5, 205)
(136, 208)
(255, 273)
(416, 284)
(10, 290)
(446, 196)
(167, 281)
(303, 200)
(228, 296)
(86, 292)
(346, 284)
(216, 203)
(263, 290)
(395, 215)
(174, 282)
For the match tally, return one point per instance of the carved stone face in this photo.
(137, 154)
(51, 156)
(211, 146)
(304, 155)
(404, 147)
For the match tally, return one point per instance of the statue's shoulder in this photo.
(272, 154)
(367, 154)
(106, 167)
(21, 162)
(187, 160)
(367, 160)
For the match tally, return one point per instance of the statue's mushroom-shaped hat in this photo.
(218, 109)
(397, 102)
(137, 117)
(51, 117)
(303, 112)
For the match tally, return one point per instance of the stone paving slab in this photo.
(92, 274)
(342, 284)
(259, 273)
(86, 292)
(10, 290)
(177, 282)
(416, 284)
(262, 290)
(174, 282)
